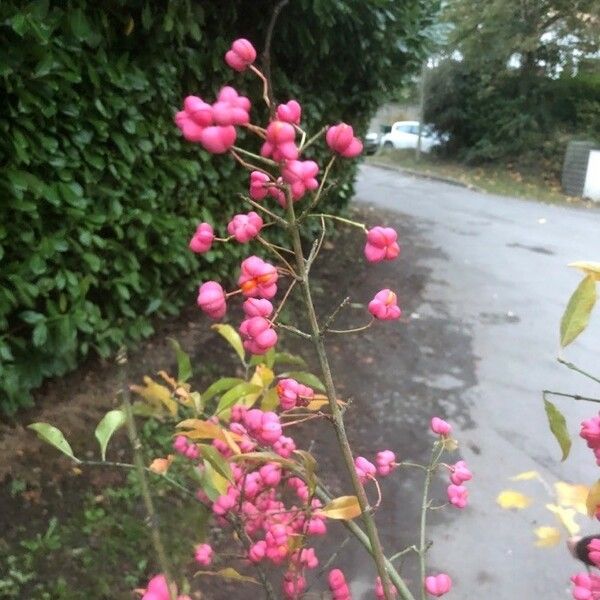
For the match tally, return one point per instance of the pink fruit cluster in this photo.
(213, 125)
(241, 55)
(438, 585)
(381, 244)
(340, 138)
(385, 463)
(586, 586)
(458, 495)
(261, 498)
(292, 394)
(384, 306)
(245, 227)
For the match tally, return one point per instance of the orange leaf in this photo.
(344, 508)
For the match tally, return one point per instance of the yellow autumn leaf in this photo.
(161, 465)
(205, 430)
(156, 394)
(593, 499)
(526, 476)
(588, 267)
(566, 516)
(344, 507)
(508, 499)
(573, 496)
(229, 573)
(546, 536)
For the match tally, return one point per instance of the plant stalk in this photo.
(140, 467)
(336, 415)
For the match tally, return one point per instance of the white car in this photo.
(405, 134)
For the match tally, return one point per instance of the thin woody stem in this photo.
(354, 330)
(331, 318)
(336, 415)
(258, 206)
(267, 161)
(138, 461)
(340, 219)
(573, 367)
(294, 330)
(435, 456)
(265, 83)
(283, 301)
(574, 396)
(272, 249)
(313, 139)
(246, 164)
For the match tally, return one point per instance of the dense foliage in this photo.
(511, 114)
(99, 196)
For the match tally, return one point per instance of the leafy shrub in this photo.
(95, 213)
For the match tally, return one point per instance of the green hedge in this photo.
(98, 193)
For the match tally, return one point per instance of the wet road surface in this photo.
(486, 336)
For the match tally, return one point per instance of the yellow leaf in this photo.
(593, 500)
(229, 573)
(566, 516)
(344, 507)
(231, 442)
(156, 394)
(573, 496)
(511, 499)
(161, 465)
(205, 430)
(317, 404)
(589, 268)
(547, 536)
(263, 376)
(526, 476)
(450, 444)
(270, 400)
(217, 480)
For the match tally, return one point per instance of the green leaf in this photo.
(233, 337)
(306, 378)
(40, 334)
(111, 421)
(558, 426)
(184, 366)
(228, 399)
(53, 436)
(215, 458)
(289, 359)
(220, 385)
(577, 313)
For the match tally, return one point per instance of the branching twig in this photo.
(266, 58)
(577, 369)
(574, 396)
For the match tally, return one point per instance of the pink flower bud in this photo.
(338, 586)
(292, 393)
(385, 462)
(438, 585)
(203, 238)
(241, 55)
(217, 139)
(340, 138)
(257, 551)
(590, 432)
(258, 335)
(364, 469)
(440, 426)
(258, 278)
(203, 554)
(381, 244)
(460, 473)
(458, 495)
(293, 585)
(245, 227)
(211, 299)
(257, 307)
(258, 185)
(284, 446)
(199, 111)
(301, 175)
(290, 112)
(270, 474)
(384, 306)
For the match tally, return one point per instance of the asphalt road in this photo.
(498, 274)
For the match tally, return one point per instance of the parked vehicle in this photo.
(371, 143)
(405, 134)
